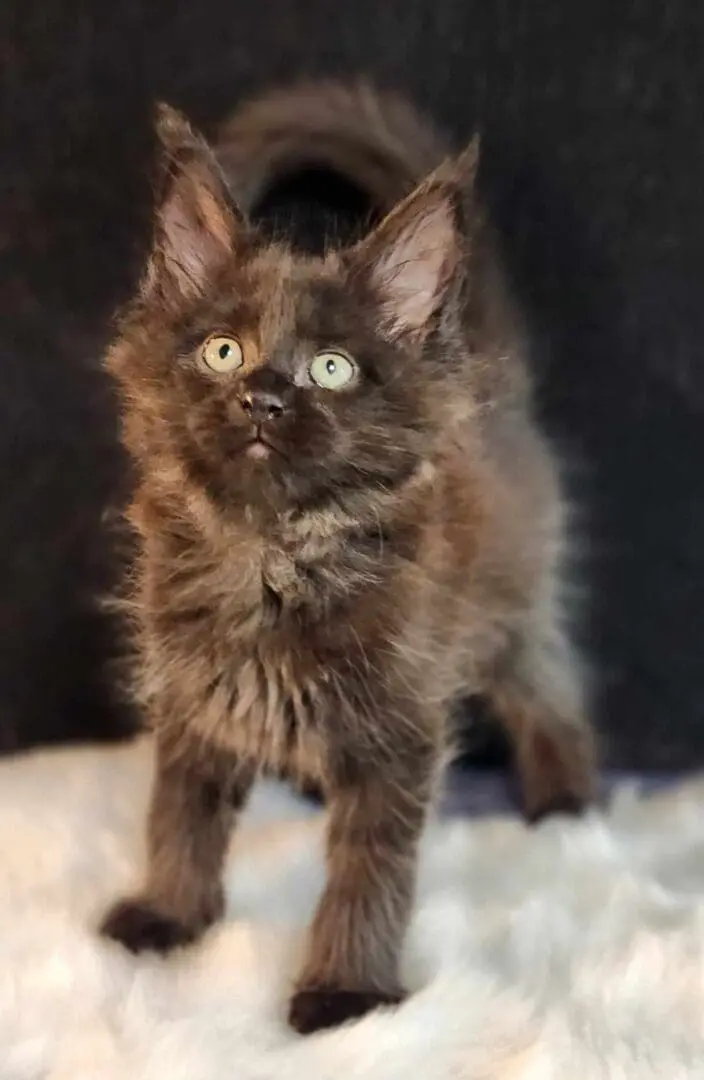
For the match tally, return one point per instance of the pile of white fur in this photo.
(574, 951)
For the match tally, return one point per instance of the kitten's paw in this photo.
(326, 1007)
(557, 780)
(140, 927)
(567, 803)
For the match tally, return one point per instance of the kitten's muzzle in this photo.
(265, 398)
(261, 407)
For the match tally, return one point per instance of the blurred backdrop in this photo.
(594, 165)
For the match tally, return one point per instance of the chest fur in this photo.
(243, 659)
(281, 715)
(267, 651)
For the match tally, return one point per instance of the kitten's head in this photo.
(269, 378)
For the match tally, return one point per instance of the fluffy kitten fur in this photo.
(318, 606)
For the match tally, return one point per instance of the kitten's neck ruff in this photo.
(359, 510)
(334, 552)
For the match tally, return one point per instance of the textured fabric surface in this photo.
(573, 950)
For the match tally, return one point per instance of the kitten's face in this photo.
(279, 386)
(278, 379)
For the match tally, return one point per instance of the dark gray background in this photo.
(592, 114)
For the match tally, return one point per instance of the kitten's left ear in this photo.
(413, 255)
(196, 222)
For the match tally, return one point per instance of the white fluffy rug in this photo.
(573, 951)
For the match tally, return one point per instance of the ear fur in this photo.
(196, 225)
(413, 255)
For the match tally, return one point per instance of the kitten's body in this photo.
(318, 606)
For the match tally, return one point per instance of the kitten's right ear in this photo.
(197, 224)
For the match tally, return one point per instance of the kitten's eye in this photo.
(222, 354)
(332, 370)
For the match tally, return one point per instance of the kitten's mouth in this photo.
(260, 449)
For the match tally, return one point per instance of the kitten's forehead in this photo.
(283, 292)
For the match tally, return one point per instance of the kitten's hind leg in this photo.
(194, 802)
(537, 696)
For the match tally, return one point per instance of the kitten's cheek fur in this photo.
(326, 1007)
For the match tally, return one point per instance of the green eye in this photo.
(332, 370)
(222, 354)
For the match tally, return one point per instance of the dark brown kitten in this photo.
(346, 518)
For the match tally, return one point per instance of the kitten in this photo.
(346, 517)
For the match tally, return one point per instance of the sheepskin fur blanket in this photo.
(571, 951)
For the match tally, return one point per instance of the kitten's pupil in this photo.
(224, 351)
(331, 367)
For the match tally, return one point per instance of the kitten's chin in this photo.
(259, 481)
(259, 451)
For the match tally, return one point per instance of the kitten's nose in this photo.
(262, 406)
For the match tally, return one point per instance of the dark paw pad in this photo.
(312, 1010)
(140, 928)
(566, 803)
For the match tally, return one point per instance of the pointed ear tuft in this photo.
(468, 163)
(413, 255)
(196, 223)
(173, 129)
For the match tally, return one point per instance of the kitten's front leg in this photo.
(197, 791)
(376, 818)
